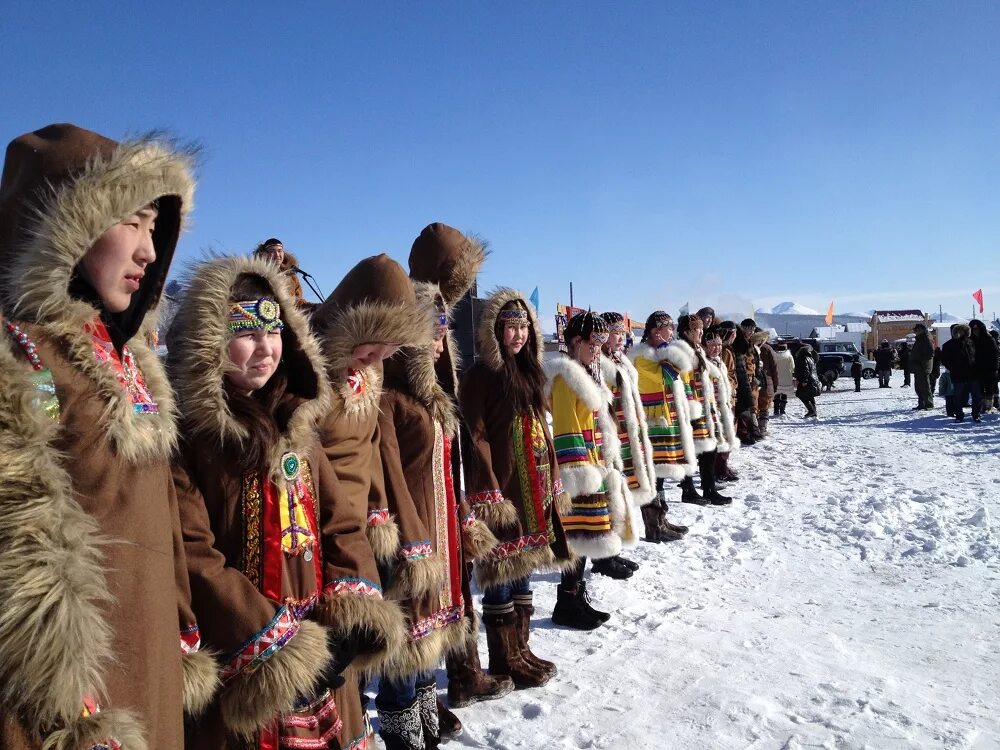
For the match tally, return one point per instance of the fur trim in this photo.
(374, 322)
(201, 681)
(674, 471)
(680, 354)
(373, 615)
(464, 270)
(71, 218)
(690, 466)
(198, 361)
(594, 396)
(500, 515)
(596, 547)
(477, 540)
(424, 654)
(645, 351)
(635, 426)
(55, 642)
(491, 573)
(384, 540)
(414, 579)
(581, 480)
(489, 347)
(344, 399)
(252, 701)
(727, 440)
(86, 732)
(563, 503)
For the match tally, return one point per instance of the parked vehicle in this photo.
(867, 365)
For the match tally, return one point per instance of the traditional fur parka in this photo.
(92, 575)
(694, 365)
(512, 479)
(270, 551)
(669, 408)
(588, 452)
(622, 379)
(417, 427)
(374, 303)
(722, 416)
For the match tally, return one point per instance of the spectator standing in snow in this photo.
(959, 356)
(785, 387)
(807, 380)
(745, 396)
(883, 363)
(856, 372)
(921, 362)
(904, 364)
(986, 362)
(767, 377)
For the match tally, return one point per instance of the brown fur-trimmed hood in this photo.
(197, 358)
(444, 256)
(489, 345)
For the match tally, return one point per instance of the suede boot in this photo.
(506, 656)
(689, 494)
(524, 608)
(429, 718)
(706, 465)
(612, 568)
(572, 611)
(450, 725)
(762, 426)
(584, 596)
(651, 522)
(468, 683)
(401, 728)
(664, 522)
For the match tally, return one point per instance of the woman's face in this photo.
(694, 334)
(586, 352)
(515, 336)
(438, 345)
(614, 342)
(713, 347)
(662, 334)
(253, 357)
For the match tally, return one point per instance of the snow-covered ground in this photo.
(849, 598)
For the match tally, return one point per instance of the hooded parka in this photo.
(92, 575)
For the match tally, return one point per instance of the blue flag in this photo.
(534, 299)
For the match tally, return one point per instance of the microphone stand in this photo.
(314, 288)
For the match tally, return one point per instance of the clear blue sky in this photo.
(652, 153)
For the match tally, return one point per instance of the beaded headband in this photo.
(619, 328)
(662, 320)
(254, 315)
(442, 321)
(514, 315)
(599, 337)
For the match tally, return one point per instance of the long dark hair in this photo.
(264, 414)
(522, 375)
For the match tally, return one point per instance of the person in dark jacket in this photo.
(904, 364)
(807, 379)
(921, 362)
(745, 401)
(856, 372)
(987, 361)
(883, 363)
(959, 356)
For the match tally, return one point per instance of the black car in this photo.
(831, 362)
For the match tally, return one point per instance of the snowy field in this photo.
(849, 598)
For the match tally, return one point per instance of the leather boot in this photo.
(706, 465)
(468, 683)
(722, 471)
(401, 728)
(762, 426)
(777, 406)
(429, 718)
(664, 522)
(450, 725)
(506, 656)
(651, 522)
(524, 608)
(689, 494)
(573, 611)
(612, 568)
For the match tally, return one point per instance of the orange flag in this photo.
(829, 315)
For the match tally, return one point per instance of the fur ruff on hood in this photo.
(198, 361)
(681, 351)
(635, 425)
(489, 347)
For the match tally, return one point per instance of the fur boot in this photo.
(524, 608)
(468, 683)
(506, 655)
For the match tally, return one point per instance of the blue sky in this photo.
(733, 154)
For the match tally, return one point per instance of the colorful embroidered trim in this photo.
(557, 487)
(515, 315)
(599, 337)
(378, 516)
(356, 381)
(262, 646)
(522, 544)
(26, 344)
(263, 314)
(469, 520)
(353, 585)
(440, 619)
(302, 608)
(250, 559)
(486, 497)
(41, 377)
(190, 639)
(416, 550)
(320, 716)
(127, 372)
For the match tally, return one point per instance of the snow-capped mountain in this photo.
(788, 308)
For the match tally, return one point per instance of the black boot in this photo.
(584, 597)
(630, 564)
(689, 494)
(706, 465)
(611, 567)
(429, 717)
(572, 612)
(402, 728)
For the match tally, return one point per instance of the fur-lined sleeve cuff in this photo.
(418, 573)
(199, 672)
(581, 479)
(357, 606)
(477, 539)
(695, 409)
(493, 509)
(265, 677)
(114, 730)
(383, 535)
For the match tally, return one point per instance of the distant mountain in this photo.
(865, 315)
(788, 308)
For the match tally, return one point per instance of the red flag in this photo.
(978, 297)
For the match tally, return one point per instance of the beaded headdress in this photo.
(254, 315)
(513, 315)
(660, 318)
(616, 322)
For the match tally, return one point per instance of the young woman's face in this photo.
(694, 334)
(253, 358)
(365, 355)
(116, 263)
(614, 342)
(662, 335)
(438, 349)
(714, 347)
(730, 336)
(586, 352)
(515, 336)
